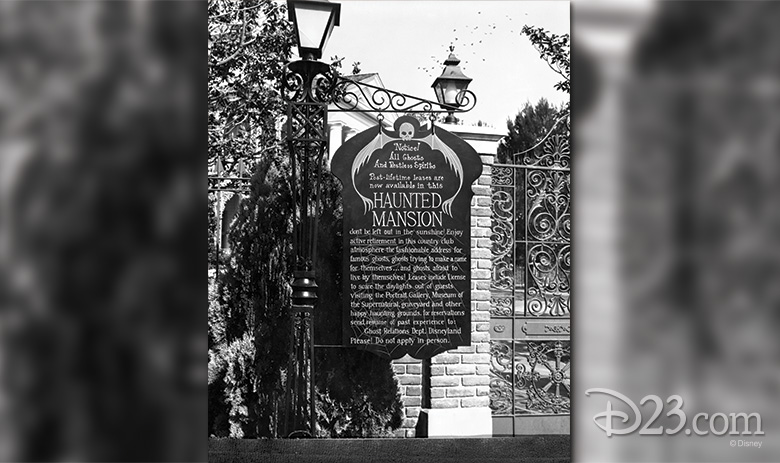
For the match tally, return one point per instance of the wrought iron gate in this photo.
(530, 304)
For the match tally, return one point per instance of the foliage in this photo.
(249, 45)
(253, 307)
(216, 320)
(337, 63)
(230, 373)
(533, 123)
(555, 51)
(212, 231)
(530, 126)
(357, 395)
(249, 304)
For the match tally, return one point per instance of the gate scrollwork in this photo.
(531, 280)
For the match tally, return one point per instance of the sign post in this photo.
(407, 239)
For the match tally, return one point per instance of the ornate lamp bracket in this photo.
(353, 96)
(317, 82)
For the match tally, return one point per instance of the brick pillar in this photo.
(458, 387)
(460, 381)
(408, 373)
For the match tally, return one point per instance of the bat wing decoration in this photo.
(362, 159)
(432, 140)
(453, 162)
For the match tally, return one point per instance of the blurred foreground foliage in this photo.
(102, 140)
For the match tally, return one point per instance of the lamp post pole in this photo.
(307, 121)
(306, 87)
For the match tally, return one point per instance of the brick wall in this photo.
(458, 378)
(408, 373)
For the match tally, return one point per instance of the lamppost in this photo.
(450, 86)
(306, 86)
(309, 86)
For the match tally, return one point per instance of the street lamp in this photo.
(313, 21)
(307, 86)
(450, 86)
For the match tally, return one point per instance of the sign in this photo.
(407, 239)
(542, 329)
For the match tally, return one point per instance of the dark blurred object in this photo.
(586, 75)
(102, 289)
(686, 129)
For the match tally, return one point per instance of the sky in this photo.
(406, 42)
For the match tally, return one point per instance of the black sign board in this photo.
(407, 239)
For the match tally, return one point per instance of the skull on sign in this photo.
(406, 131)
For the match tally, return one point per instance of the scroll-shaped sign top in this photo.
(407, 239)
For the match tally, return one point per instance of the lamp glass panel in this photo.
(450, 93)
(312, 24)
(439, 89)
(327, 35)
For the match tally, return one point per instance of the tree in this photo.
(555, 51)
(357, 395)
(252, 315)
(533, 123)
(249, 306)
(529, 127)
(250, 42)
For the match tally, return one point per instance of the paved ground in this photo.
(547, 449)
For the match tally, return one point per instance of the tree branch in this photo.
(557, 71)
(241, 43)
(236, 11)
(549, 132)
(240, 121)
